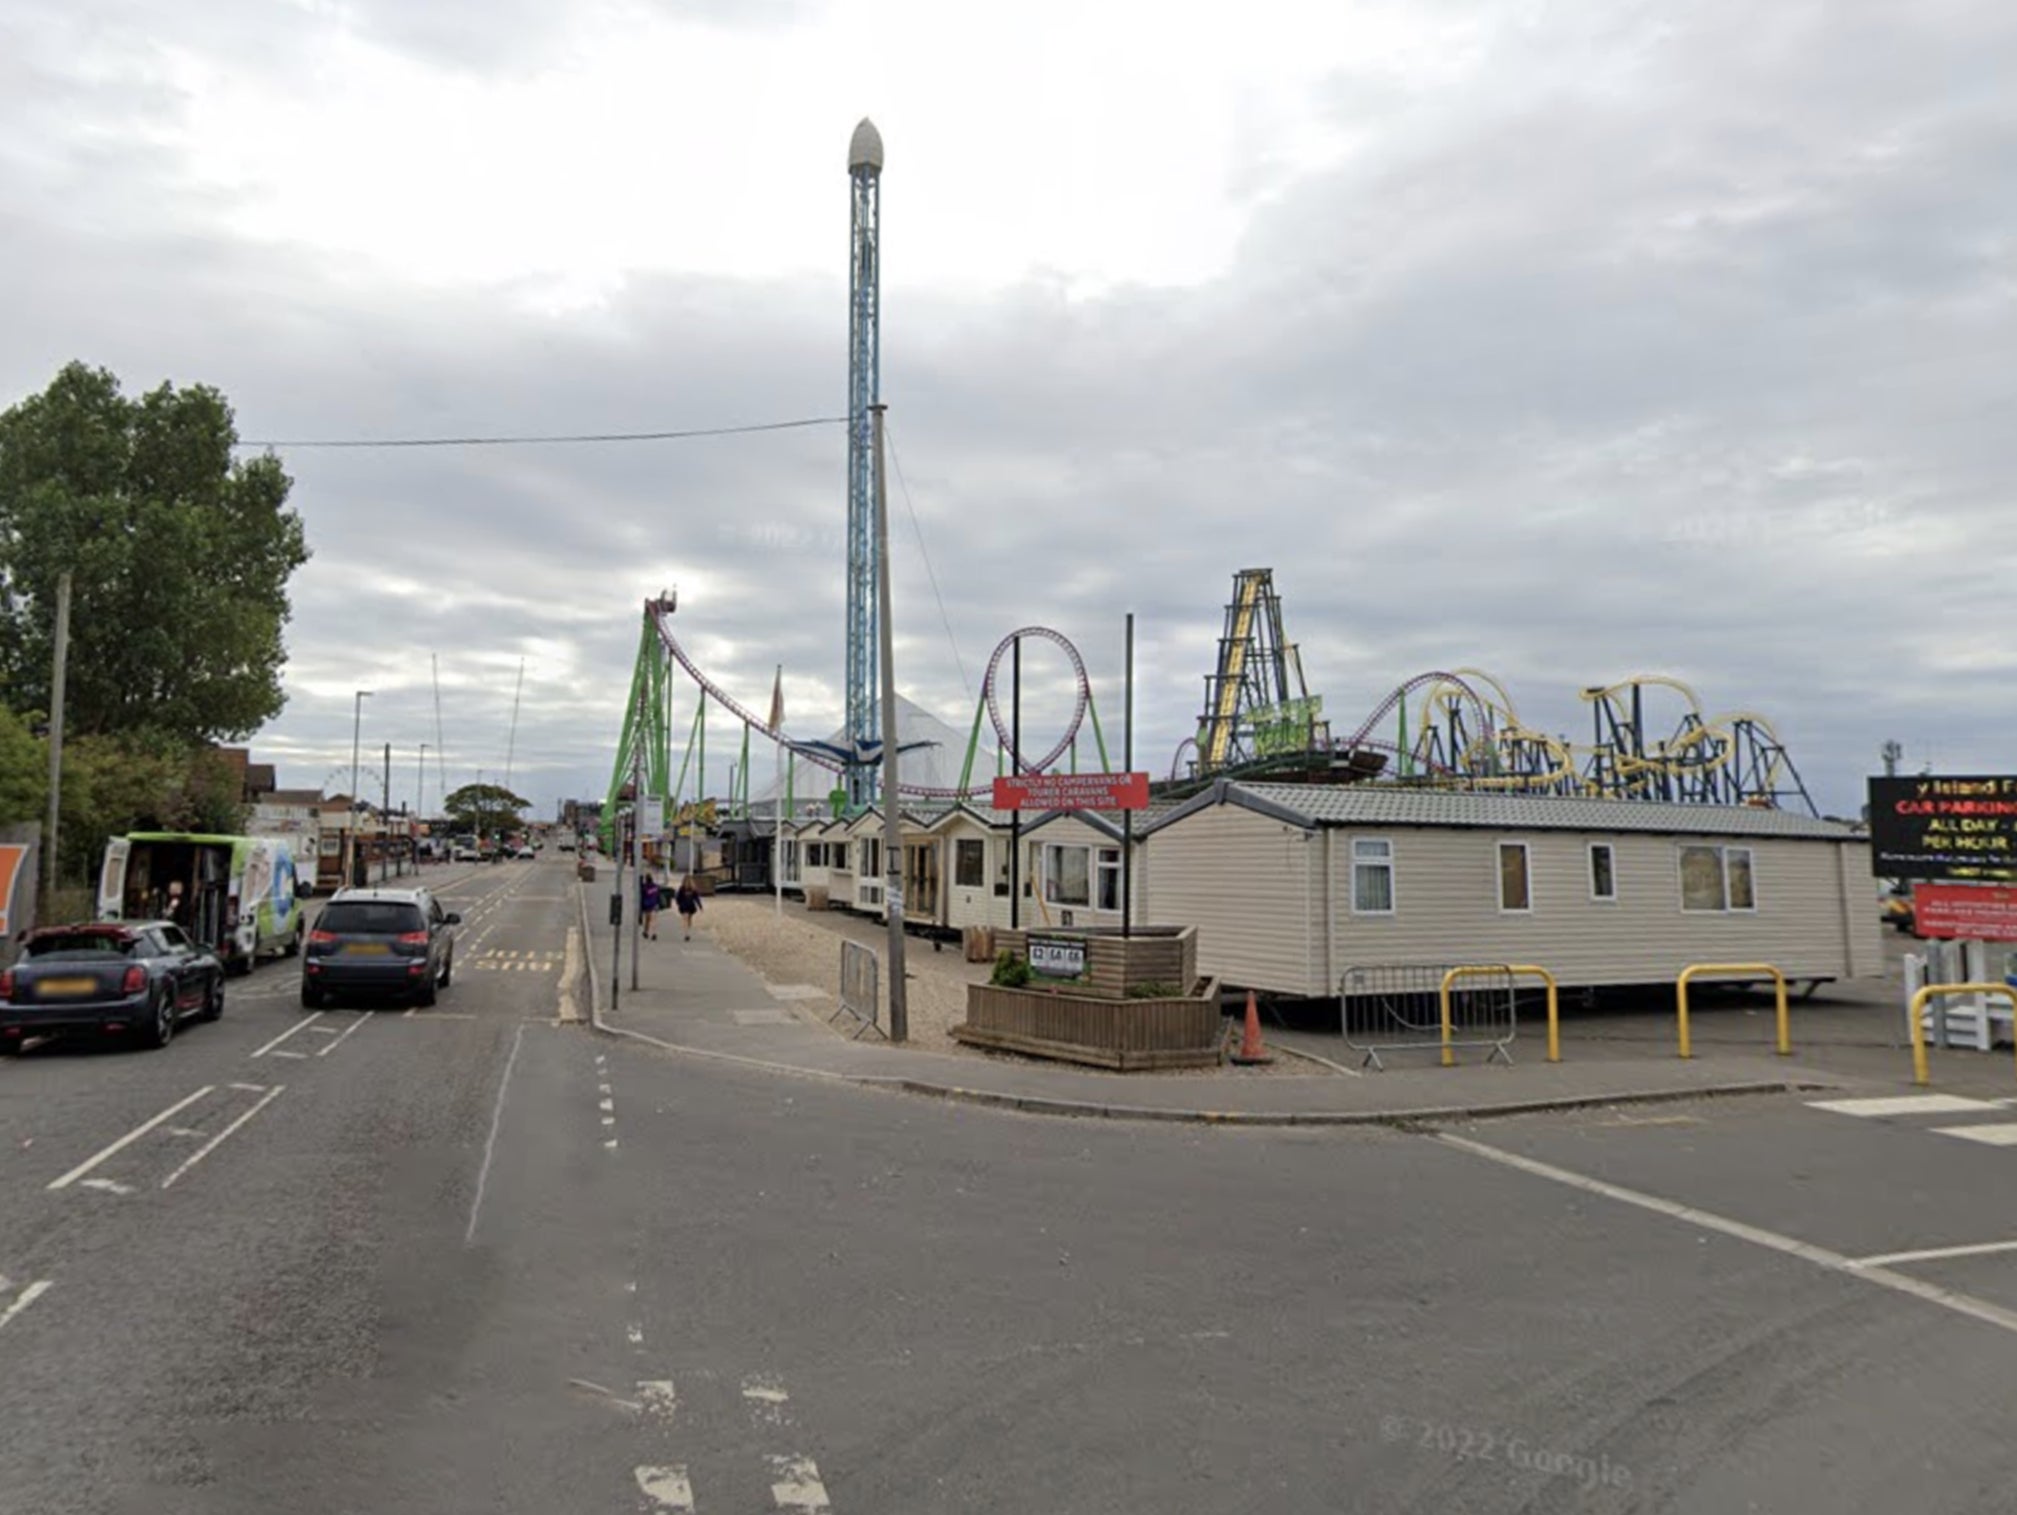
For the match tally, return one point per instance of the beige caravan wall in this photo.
(1447, 907)
(1254, 888)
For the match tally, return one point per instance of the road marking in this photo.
(610, 1145)
(490, 1146)
(23, 1300)
(795, 1484)
(110, 1186)
(1902, 1104)
(325, 1030)
(658, 1398)
(347, 1033)
(131, 1137)
(1820, 1257)
(1937, 1254)
(299, 1026)
(211, 1146)
(1994, 1136)
(666, 1487)
(765, 1398)
(570, 1010)
(283, 1052)
(635, 1332)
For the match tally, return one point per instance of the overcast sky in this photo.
(1567, 340)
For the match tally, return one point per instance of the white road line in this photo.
(1994, 1136)
(1902, 1104)
(635, 1333)
(250, 1088)
(666, 1487)
(490, 1146)
(109, 1185)
(325, 1030)
(1937, 1254)
(348, 1032)
(658, 1398)
(24, 1299)
(212, 1145)
(1820, 1257)
(610, 1145)
(130, 1138)
(298, 1026)
(765, 1398)
(283, 1052)
(795, 1484)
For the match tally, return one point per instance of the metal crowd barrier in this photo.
(1394, 1007)
(860, 987)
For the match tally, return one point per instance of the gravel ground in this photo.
(801, 946)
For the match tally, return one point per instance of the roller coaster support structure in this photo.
(643, 753)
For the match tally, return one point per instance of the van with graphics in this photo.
(236, 895)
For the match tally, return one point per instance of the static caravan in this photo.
(1291, 885)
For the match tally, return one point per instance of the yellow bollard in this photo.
(1920, 1074)
(1785, 1014)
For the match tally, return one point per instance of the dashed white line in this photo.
(293, 1030)
(635, 1333)
(211, 1146)
(130, 1138)
(795, 1484)
(666, 1487)
(658, 1398)
(348, 1032)
(1993, 1136)
(23, 1300)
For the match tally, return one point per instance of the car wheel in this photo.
(160, 1028)
(213, 1002)
(312, 998)
(293, 947)
(424, 995)
(448, 970)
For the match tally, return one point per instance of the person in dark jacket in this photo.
(649, 902)
(687, 899)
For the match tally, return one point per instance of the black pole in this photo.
(1016, 815)
(1128, 766)
(385, 819)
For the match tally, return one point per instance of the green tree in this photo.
(180, 558)
(485, 809)
(24, 772)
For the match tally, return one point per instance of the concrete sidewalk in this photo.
(698, 999)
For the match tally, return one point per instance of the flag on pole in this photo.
(777, 702)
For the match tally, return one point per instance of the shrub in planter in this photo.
(1010, 972)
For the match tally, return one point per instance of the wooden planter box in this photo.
(1116, 965)
(1124, 1034)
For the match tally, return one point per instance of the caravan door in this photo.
(112, 880)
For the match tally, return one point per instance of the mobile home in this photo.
(1291, 885)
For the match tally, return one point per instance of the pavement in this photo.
(697, 998)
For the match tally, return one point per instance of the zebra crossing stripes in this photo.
(794, 1481)
(1986, 1133)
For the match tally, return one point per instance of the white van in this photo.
(236, 895)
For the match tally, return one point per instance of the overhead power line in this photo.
(605, 436)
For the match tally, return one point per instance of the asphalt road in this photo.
(480, 1259)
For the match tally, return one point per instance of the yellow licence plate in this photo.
(365, 949)
(60, 986)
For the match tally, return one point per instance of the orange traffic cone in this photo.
(1251, 1051)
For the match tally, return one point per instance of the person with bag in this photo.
(687, 899)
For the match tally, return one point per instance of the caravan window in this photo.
(969, 863)
(1066, 880)
(1717, 879)
(1372, 876)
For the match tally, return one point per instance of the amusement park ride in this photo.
(1260, 719)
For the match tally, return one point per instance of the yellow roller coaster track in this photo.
(1232, 670)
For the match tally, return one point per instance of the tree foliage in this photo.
(485, 808)
(180, 558)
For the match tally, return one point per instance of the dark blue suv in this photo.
(396, 942)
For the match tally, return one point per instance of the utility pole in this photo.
(1128, 766)
(58, 678)
(892, 829)
(385, 819)
(637, 839)
(419, 800)
(350, 831)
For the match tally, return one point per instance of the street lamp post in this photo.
(350, 831)
(419, 802)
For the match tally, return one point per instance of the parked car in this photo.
(1895, 905)
(108, 978)
(379, 942)
(525, 853)
(466, 854)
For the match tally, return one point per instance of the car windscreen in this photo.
(371, 918)
(79, 945)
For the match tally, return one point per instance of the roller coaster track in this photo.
(820, 755)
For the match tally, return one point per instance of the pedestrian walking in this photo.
(649, 902)
(687, 898)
